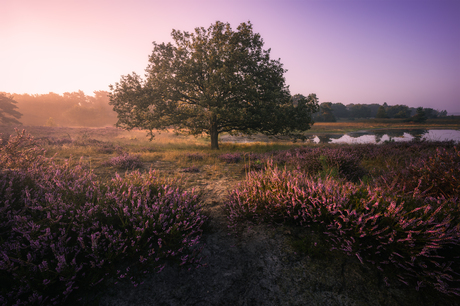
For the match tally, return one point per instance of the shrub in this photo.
(62, 231)
(21, 152)
(125, 161)
(230, 158)
(435, 174)
(343, 161)
(418, 238)
(195, 156)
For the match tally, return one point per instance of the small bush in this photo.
(230, 158)
(125, 161)
(435, 174)
(21, 152)
(195, 156)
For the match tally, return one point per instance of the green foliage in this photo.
(8, 112)
(381, 113)
(212, 81)
(360, 111)
(325, 113)
(340, 110)
(398, 111)
(420, 116)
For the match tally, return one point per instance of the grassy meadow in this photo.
(82, 208)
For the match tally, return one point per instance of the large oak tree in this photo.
(212, 81)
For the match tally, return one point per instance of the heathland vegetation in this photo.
(69, 224)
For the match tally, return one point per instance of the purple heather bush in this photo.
(21, 152)
(230, 158)
(418, 237)
(431, 174)
(339, 161)
(125, 161)
(62, 231)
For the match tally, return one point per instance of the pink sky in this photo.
(368, 51)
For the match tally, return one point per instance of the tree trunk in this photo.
(214, 136)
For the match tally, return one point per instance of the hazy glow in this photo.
(394, 51)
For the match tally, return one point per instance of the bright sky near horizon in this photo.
(348, 51)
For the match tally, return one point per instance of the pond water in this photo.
(380, 136)
(371, 136)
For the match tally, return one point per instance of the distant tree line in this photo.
(78, 109)
(68, 109)
(331, 112)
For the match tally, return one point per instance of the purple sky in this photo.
(368, 51)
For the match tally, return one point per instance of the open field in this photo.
(273, 223)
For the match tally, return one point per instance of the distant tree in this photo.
(360, 111)
(8, 112)
(325, 113)
(50, 122)
(431, 113)
(398, 111)
(443, 113)
(212, 81)
(340, 110)
(374, 107)
(419, 116)
(381, 113)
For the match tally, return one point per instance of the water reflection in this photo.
(380, 136)
(372, 136)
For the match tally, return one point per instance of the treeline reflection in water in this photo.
(381, 136)
(369, 136)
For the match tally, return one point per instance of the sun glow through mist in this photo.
(400, 52)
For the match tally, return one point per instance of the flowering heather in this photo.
(340, 161)
(61, 230)
(417, 237)
(230, 158)
(435, 174)
(125, 161)
(195, 156)
(21, 152)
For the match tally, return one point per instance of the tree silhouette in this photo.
(8, 112)
(212, 81)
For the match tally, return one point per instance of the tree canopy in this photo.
(8, 112)
(212, 81)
